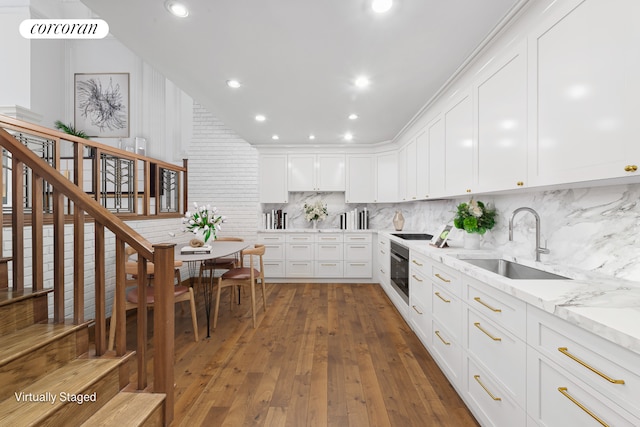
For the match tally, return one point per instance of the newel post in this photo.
(164, 325)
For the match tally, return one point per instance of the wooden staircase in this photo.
(49, 377)
(50, 372)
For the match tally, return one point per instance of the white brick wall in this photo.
(223, 172)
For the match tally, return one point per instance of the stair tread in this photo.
(19, 343)
(75, 377)
(9, 296)
(125, 408)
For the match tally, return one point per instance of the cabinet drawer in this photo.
(418, 264)
(271, 238)
(420, 307)
(500, 353)
(300, 238)
(274, 268)
(447, 309)
(329, 238)
(329, 269)
(300, 251)
(446, 277)
(446, 352)
(329, 251)
(273, 252)
(501, 308)
(357, 269)
(358, 237)
(357, 252)
(596, 361)
(495, 407)
(299, 269)
(563, 400)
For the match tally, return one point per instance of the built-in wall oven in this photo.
(400, 270)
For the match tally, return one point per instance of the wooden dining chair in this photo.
(211, 265)
(180, 293)
(244, 276)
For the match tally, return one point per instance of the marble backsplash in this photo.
(596, 229)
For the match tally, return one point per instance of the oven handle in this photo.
(397, 258)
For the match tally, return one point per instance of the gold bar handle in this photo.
(442, 298)
(477, 325)
(416, 310)
(566, 394)
(442, 339)
(417, 278)
(416, 263)
(565, 351)
(495, 310)
(442, 278)
(477, 378)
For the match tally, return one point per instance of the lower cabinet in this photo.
(317, 255)
(514, 364)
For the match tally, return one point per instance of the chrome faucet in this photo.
(539, 249)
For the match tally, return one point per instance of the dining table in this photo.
(219, 249)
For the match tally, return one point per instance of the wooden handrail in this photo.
(161, 255)
(73, 192)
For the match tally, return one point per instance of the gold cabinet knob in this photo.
(468, 190)
(631, 168)
(519, 183)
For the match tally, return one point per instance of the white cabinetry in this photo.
(386, 177)
(411, 170)
(584, 62)
(357, 255)
(317, 255)
(573, 371)
(316, 172)
(501, 99)
(420, 297)
(459, 146)
(329, 255)
(384, 263)
(274, 255)
(360, 179)
(402, 174)
(435, 133)
(422, 164)
(273, 178)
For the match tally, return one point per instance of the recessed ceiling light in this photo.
(362, 82)
(312, 137)
(353, 116)
(348, 136)
(233, 83)
(177, 8)
(275, 137)
(260, 118)
(381, 6)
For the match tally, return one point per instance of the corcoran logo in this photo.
(64, 29)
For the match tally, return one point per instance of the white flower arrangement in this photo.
(203, 219)
(316, 211)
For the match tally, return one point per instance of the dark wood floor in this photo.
(322, 355)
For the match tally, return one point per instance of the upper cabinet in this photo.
(435, 135)
(316, 172)
(501, 106)
(584, 62)
(386, 177)
(360, 179)
(422, 164)
(273, 178)
(459, 146)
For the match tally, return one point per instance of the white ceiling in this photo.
(297, 59)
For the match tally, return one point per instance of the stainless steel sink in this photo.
(513, 270)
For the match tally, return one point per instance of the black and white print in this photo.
(102, 104)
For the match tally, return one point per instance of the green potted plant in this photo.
(475, 218)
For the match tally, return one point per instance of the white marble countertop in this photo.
(606, 306)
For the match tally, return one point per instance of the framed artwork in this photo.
(102, 104)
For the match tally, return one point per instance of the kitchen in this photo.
(586, 196)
